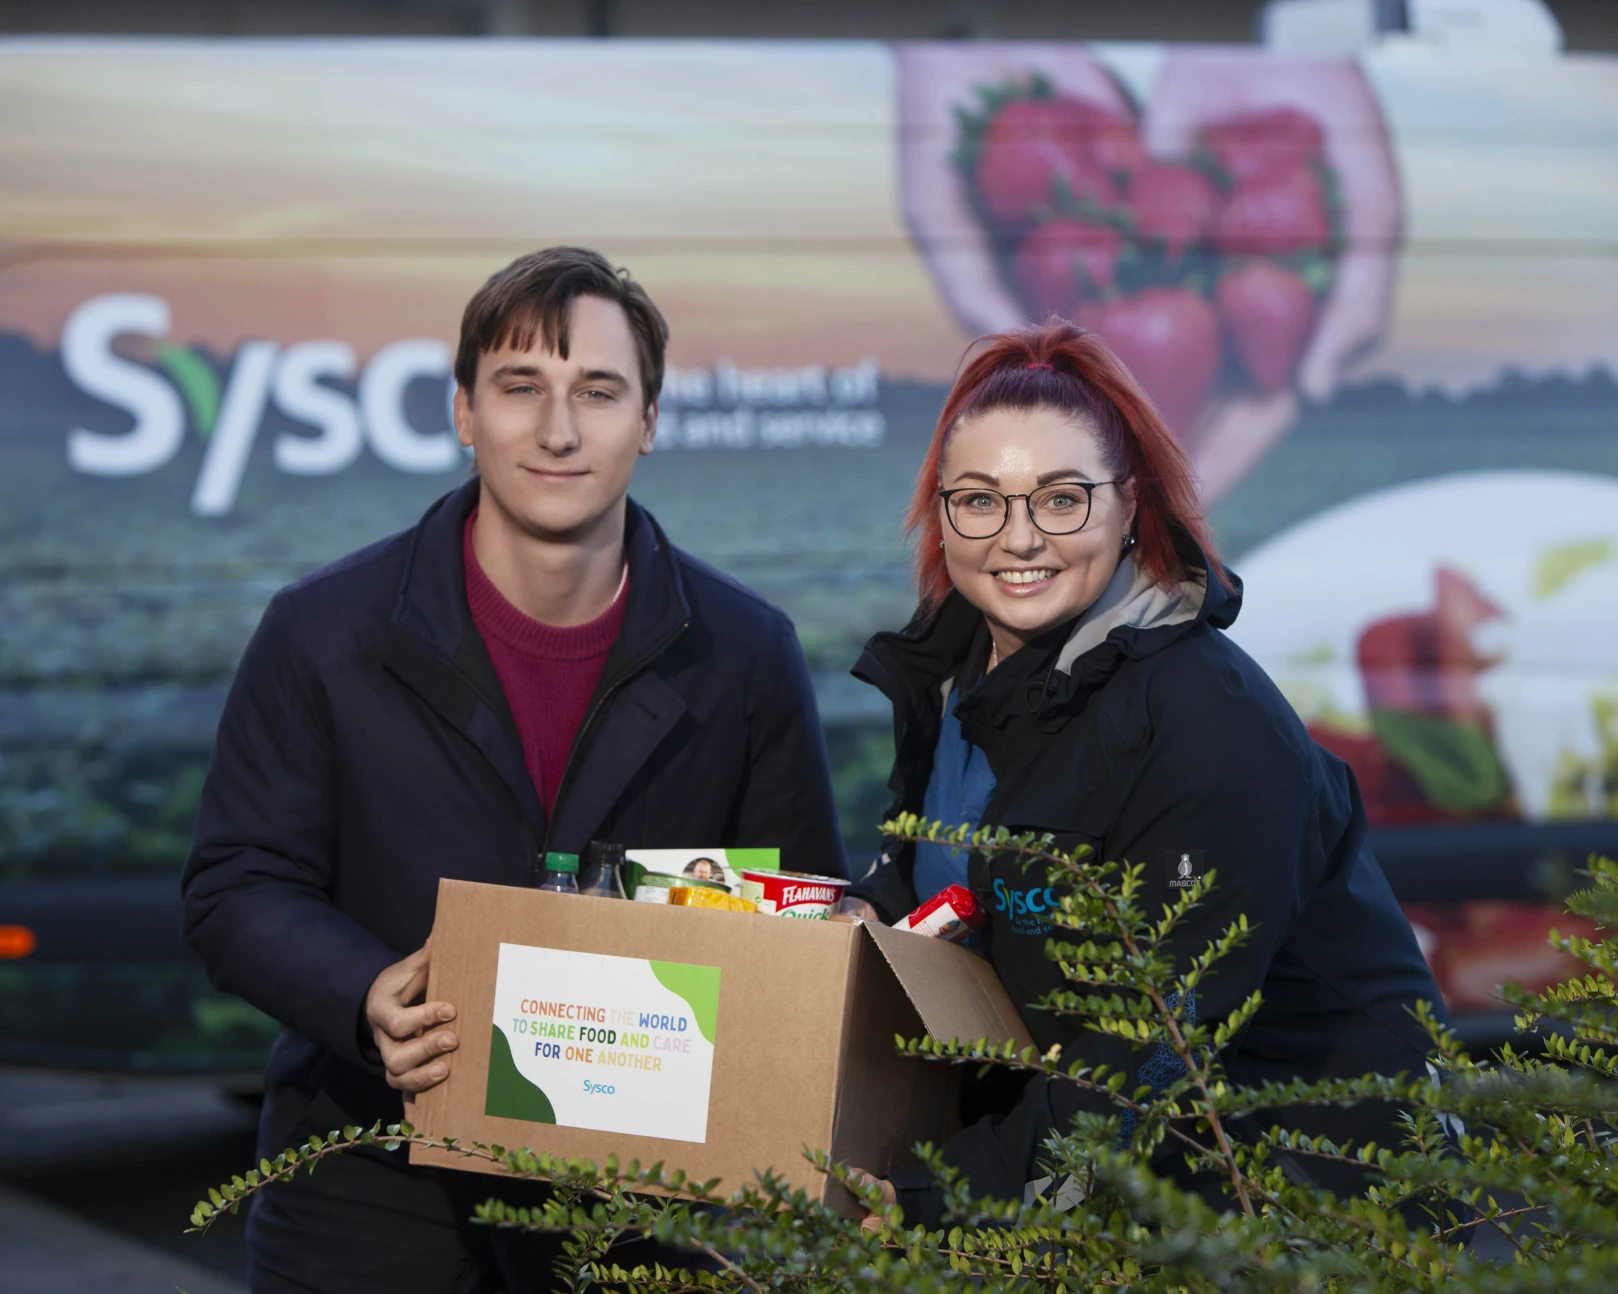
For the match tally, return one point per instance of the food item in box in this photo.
(654, 887)
(693, 866)
(793, 894)
(603, 875)
(951, 914)
(561, 873)
(702, 896)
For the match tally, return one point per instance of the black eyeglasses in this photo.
(1061, 509)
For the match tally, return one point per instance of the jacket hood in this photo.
(1133, 600)
(1135, 618)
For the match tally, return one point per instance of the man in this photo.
(531, 667)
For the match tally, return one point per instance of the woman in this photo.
(1066, 673)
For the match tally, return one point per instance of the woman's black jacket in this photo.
(1162, 744)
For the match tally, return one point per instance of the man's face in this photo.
(556, 439)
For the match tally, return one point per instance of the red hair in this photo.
(1060, 366)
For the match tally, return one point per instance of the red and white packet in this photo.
(951, 914)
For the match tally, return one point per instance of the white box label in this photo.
(613, 1044)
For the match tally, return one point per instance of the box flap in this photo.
(886, 1102)
(956, 994)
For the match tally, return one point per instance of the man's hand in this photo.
(415, 1056)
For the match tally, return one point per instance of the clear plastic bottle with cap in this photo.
(561, 873)
(604, 871)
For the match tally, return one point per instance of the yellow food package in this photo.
(692, 896)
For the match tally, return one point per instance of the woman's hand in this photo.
(860, 910)
(873, 1221)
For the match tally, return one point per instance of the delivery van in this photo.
(1374, 294)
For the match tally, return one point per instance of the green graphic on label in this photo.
(698, 985)
(754, 860)
(613, 1044)
(510, 1095)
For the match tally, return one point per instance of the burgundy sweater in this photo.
(548, 674)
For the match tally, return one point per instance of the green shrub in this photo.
(1528, 1157)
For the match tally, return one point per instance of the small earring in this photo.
(940, 543)
(1129, 542)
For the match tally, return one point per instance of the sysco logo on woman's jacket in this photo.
(1025, 907)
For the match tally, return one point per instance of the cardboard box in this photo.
(717, 1042)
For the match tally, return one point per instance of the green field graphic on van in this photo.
(198, 383)
(698, 985)
(509, 1095)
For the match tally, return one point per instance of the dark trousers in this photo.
(368, 1221)
(358, 1224)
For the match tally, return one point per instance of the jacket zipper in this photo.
(594, 711)
(536, 855)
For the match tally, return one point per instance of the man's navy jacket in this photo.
(366, 750)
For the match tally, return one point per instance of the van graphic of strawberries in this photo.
(1173, 204)
(1059, 180)
(1250, 144)
(1276, 213)
(1037, 151)
(1172, 260)
(1064, 260)
(1269, 313)
(1169, 338)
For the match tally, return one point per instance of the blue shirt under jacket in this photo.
(957, 792)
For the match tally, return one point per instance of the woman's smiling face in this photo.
(1024, 580)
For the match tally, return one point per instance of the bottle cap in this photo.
(606, 851)
(561, 862)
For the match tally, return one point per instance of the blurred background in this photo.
(1361, 252)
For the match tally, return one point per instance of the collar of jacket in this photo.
(910, 665)
(434, 648)
(432, 602)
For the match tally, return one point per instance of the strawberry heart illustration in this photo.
(1064, 259)
(1035, 150)
(1232, 239)
(1098, 231)
(1275, 213)
(1169, 338)
(1172, 204)
(1269, 314)
(1253, 143)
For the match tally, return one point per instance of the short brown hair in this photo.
(534, 294)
